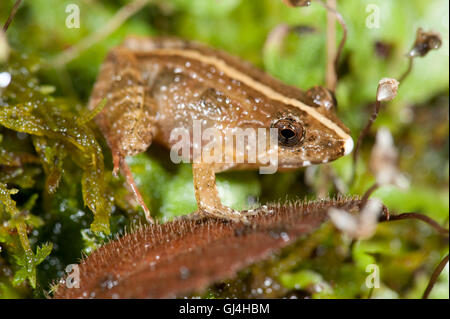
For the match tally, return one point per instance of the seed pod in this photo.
(387, 89)
(425, 42)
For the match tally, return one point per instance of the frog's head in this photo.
(309, 132)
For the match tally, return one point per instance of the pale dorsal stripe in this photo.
(264, 89)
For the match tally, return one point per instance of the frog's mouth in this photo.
(347, 148)
(291, 166)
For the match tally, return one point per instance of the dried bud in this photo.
(425, 42)
(4, 48)
(387, 89)
(344, 221)
(362, 226)
(297, 3)
(383, 161)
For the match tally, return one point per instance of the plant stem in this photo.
(367, 194)
(363, 134)
(331, 75)
(119, 18)
(332, 38)
(408, 70)
(441, 230)
(435, 276)
(11, 15)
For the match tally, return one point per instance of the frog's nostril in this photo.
(348, 146)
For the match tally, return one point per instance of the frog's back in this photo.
(166, 46)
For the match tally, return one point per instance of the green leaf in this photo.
(42, 252)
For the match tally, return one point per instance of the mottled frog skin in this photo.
(154, 85)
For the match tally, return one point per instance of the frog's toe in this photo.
(224, 213)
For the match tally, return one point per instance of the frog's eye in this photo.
(290, 132)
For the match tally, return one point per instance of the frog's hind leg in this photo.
(125, 121)
(130, 180)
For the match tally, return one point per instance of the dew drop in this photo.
(5, 79)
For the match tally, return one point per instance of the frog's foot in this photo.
(132, 184)
(221, 212)
(257, 211)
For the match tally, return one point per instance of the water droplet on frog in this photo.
(109, 283)
(185, 273)
(284, 236)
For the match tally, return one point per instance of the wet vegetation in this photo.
(59, 199)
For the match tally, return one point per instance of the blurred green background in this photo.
(406, 252)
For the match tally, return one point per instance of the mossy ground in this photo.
(60, 199)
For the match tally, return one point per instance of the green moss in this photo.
(13, 233)
(53, 155)
(26, 109)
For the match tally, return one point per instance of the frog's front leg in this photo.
(207, 196)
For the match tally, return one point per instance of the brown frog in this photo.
(155, 85)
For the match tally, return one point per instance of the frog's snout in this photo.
(348, 145)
